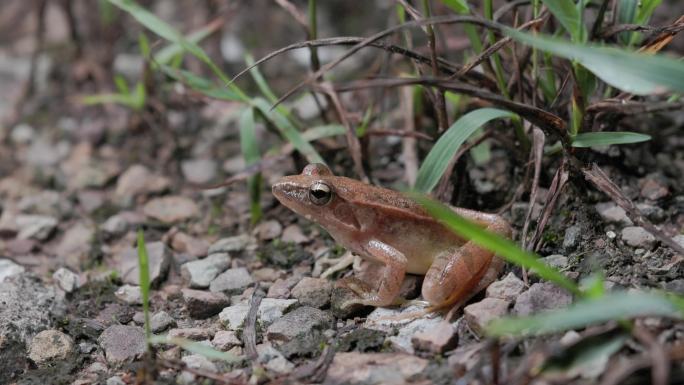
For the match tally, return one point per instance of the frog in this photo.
(387, 227)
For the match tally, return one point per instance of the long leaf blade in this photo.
(250, 151)
(144, 268)
(568, 15)
(591, 139)
(437, 161)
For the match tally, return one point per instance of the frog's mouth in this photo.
(290, 194)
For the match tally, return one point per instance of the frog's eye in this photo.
(320, 193)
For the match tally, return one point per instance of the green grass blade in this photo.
(144, 267)
(628, 71)
(458, 6)
(614, 306)
(437, 161)
(591, 139)
(198, 348)
(166, 54)
(250, 151)
(503, 247)
(199, 84)
(287, 130)
(325, 131)
(569, 16)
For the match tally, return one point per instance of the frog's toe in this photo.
(354, 284)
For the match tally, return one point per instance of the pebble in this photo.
(22, 133)
(161, 321)
(204, 304)
(300, 332)
(200, 273)
(230, 244)
(194, 247)
(541, 296)
(281, 288)
(677, 238)
(121, 222)
(270, 309)
(293, 233)
(436, 340)
(402, 324)
(612, 213)
(225, 340)
(38, 227)
(273, 360)
(159, 261)
(507, 289)
(171, 209)
(653, 188)
(374, 368)
(138, 180)
(76, 244)
(636, 236)
(49, 346)
(572, 237)
(199, 171)
(66, 279)
(314, 292)
(197, 362)
(479, 314)
(115, 380)
(195, 334)
(122, 344)
(129, 294)
(268, 230)
(232, 281)
(557, 261)
(9, 269)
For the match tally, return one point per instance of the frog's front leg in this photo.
(391, 277)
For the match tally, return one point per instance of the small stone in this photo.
(198, 171)
(122, 343)
(314, 292)
(200, 273)
(121, 222)
(436, 340)
(204, 304)
(131, 295)
(507, 289)
(281, 288)
(66, 279)
(267, 274)
(50, 345)
(161, 321)
(651, 212)
(541, 296)
(232, 281)
(184, 243)
(171, 209)
(571, 237)
(9, 269)
(653, 188)
(300, 332)
(273, 360)
(76, 243)
(270, 309)
(230, 244)
(159, 261)
(636, 236)
(225, 340)
(612, 213)
(677, 238)
(362, 340)
(293, 233)
(479, 314)
(38, 227)
(138, 180)
(556, 261)
(115, 380)
(197, 362)
(374, 368)
(611, 234)
(268, 230)
(22, 133)
(195, 334)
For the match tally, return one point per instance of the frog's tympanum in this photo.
(387, 227)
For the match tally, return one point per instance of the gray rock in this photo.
(541, 296)
(75, 244)
(171, 209)
(230, 244)
(189, 245)
(436, 340)
(651, 212)
(197, 362)
(612, 213)
(195, 334)
(46, 202)
(115, 380)
(270, 309)
(479, 314)
(314, 292)
(200, 273)
(225, 340)
(9, 269)
(374, 368)
(161, 321)
(677, 238)
(199, 171)
(268, 230)
(232, 281)
(49, 346)
(556, 261)
(159, 261)
(138, 180)
(38, 227)
(203, 304)
(66, 279)
(636, 236)
(293, 233)
(300, 332)
(281, 288)
(507, 289)
(273, 360)
(653, 188)
(676, 286)
(572, 237)
(122, 344)
(22, 133)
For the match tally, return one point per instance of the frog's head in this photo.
(319, 196)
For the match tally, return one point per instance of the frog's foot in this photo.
(359, 287)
